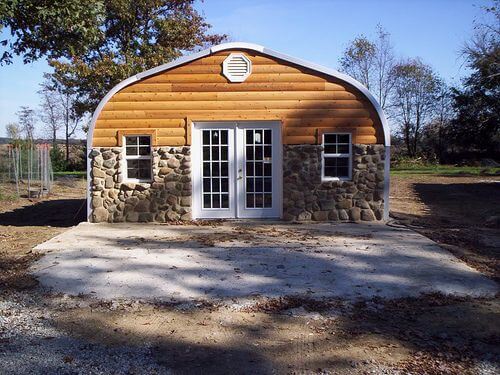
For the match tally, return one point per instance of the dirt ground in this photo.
(433, 334)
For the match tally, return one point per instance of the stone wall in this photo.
(306, 197)
(166, 198)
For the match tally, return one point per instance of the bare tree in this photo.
(371, 62)
(358, 60)
(51, 109)
(70, 118)
(384, 65)
(27, 120)
(415, 93)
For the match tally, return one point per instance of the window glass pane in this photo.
(342, 162)
(330, 162)
(132, 173)
(145, 173)
(343, 138)
(130, 141)
(343, 172)
(330, 172)
(343, 149)
(330, 138)
(330, 149)
(144, 150)
(132, 150)
(144, 141)
(145, 169)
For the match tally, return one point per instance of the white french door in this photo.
(236, 169)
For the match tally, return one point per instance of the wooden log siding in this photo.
(305, 101)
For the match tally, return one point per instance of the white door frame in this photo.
(236, 161)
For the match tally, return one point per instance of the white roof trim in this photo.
(248, 46)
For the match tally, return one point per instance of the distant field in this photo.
(446, 170)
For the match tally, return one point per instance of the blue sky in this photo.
(315, 30)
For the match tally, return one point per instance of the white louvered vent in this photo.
(237, 67)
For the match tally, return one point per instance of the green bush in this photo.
(58, 159)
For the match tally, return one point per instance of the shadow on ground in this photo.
(462, 217)
(56, 213)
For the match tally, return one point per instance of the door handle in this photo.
(240, 177)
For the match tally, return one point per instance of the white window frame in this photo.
(126, 158)
(323, 155)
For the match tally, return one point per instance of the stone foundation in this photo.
(166, 198)
(306, 197)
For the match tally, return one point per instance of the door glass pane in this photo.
(215, 168)
(224, 201)
(258, 153)
(250, 200)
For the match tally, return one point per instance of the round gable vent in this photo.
(236, 67)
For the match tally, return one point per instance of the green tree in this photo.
(50, 28)
(94, 44)
(138, 35)
(477, 124)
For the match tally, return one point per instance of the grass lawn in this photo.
(71, 173)
(445, 170)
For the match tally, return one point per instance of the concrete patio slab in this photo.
(242, 259)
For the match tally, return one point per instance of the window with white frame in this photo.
(336, 156)
(138, 157)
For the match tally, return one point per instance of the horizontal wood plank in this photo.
(313, 130)
(219, 78)
(140, 123)
(236, 114)
(232, 96)
(235, 105)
